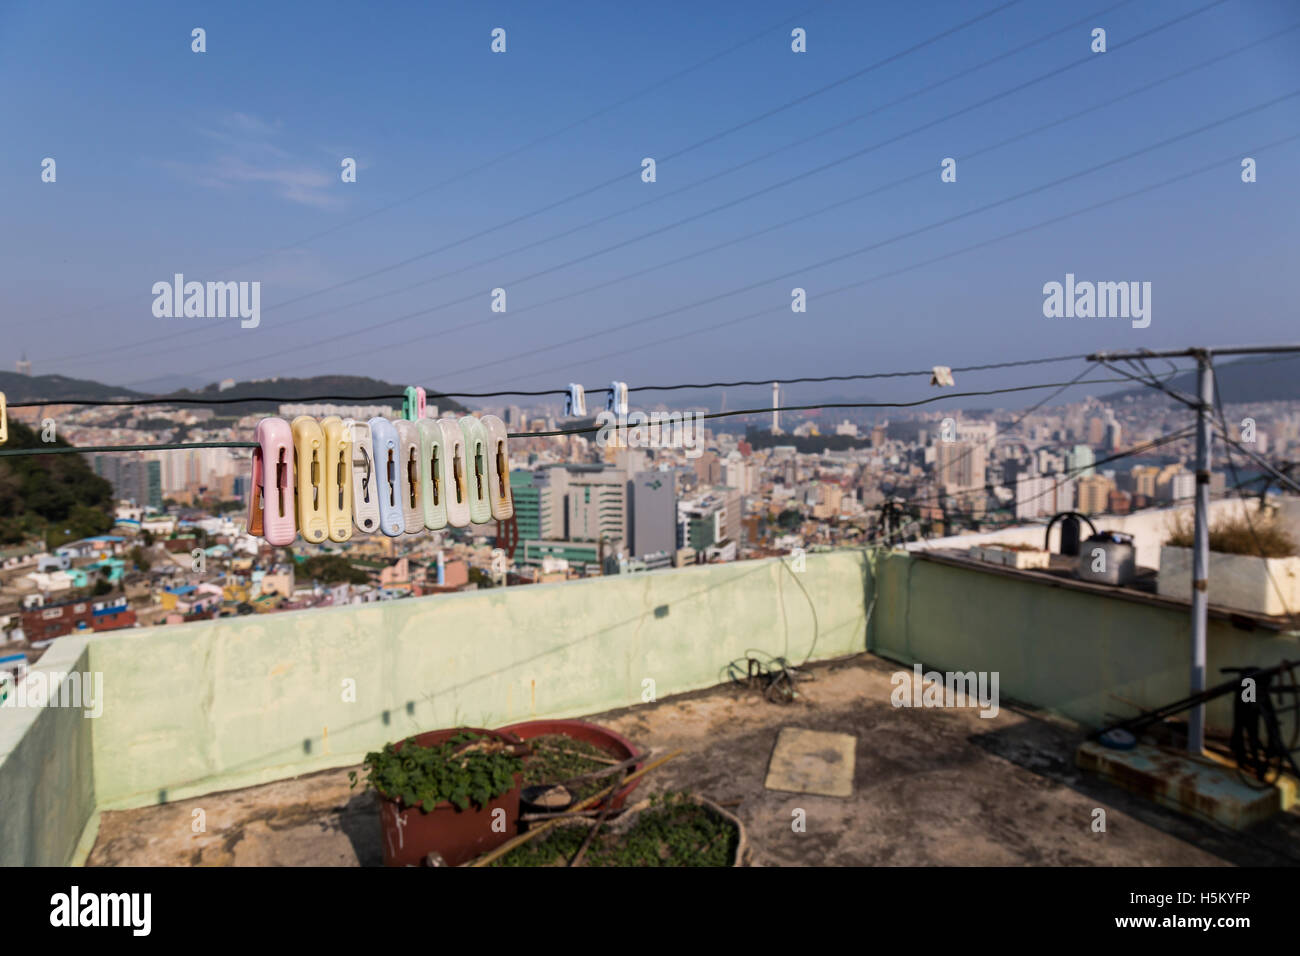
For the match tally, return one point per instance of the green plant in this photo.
(1255, 534)
(468, 768)
(673, 830)
(557, 758)
(332, 569)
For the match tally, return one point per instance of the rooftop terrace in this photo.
(256, 720)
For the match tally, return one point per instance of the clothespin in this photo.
(309, 451)
(575, 403)
(4, 420)
(435, 474)
(457, 489)
(476, 455)
(387, 478)
(338, 477)
(617, 401)
(408, 442)
(942, 375)
(365, 492)
(498, 462)
(413, 403)
(271, 498)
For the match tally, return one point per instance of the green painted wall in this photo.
(223, 704)
(1068, 651)
(46, 770)
(219, 705)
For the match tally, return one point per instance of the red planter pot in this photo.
(616, 745)
(458, 836)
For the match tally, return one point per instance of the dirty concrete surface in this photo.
(931, 786)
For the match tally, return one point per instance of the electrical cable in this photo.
(621, 177)
(479, 294)
(501, 157)
(56, 449)
(933, 260)
(871, 247)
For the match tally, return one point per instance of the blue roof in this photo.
(183, 589)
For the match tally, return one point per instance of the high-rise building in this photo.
(652, 506)
(1094, 494)
(1079, 461)
(597, 504)
(1143, 480)
(960, 465)
(535, 504)
(133, 477)
(1039, 496)
(710, 519)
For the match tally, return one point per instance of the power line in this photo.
(72, 449)
(852, 378)
(307, 399)
(500, 158)
(891, 273)
(479, 294)
(620, 177)
(912, 233)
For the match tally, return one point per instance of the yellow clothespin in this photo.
(338, 477)
(309, 449)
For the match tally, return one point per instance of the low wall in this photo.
(228, 703)
(1073, 652)
(46, 769)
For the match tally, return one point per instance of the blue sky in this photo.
(219, 165)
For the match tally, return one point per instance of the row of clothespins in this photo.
(321, 479)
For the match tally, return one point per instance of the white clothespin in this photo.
(365, 488)
(498, 468)
(617, 401)
(408, 459)
(575, 403)
(942, 375)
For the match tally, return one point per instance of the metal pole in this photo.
(1201, 544)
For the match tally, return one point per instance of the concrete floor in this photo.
(931, 787)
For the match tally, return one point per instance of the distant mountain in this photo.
(341, 389)
(1261, 378)
(262, 396)
(34, 388)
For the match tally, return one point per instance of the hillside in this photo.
(1258, 379)
(342, 388)
(56, 496)
(32, 388)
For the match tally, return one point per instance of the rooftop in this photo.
(930, 787)
(257, 719)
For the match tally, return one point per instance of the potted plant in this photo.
(563, 750)
(1254, 565)
(454, 793)
(671, 829)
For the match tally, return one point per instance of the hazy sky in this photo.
(225, 165)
